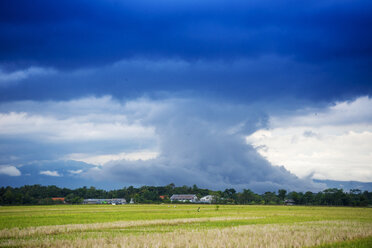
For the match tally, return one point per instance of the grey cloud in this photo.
(197, 147)
(200, 141)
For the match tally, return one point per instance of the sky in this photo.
(258, 94)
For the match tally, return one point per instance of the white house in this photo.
(289, 202)
(207, 199)
(184, 198)
(116, 201)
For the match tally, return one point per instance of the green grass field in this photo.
(183, 226)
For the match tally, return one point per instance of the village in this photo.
(176, 198)
(186, 198)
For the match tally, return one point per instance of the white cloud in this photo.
(88, 125)
(50, 173)
(104, 158)
(9, 170)
(334, 143)
(11, 77)
(356, 113)
(101, 129)
(75, 172)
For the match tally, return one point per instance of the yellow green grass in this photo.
(183, 226)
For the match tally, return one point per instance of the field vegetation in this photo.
(170, 225)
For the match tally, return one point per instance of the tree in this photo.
(73, 199)
(270, 198)
(230, 195)
(8, 197)
(246, 197)
(297, 197)
(308, 198)
(281, 194)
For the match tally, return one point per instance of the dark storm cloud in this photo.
(203, 143)
(270, 78)
(245, 50)
(81, 33)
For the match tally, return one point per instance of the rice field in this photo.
(184, 226)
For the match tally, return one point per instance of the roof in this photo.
(183, 197)
(95, 200)
(58, 198)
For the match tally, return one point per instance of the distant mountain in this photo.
(346, 185)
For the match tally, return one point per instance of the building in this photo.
(116, 201)
(184, 198)
(289, 202)
(163, 197)
(60, 199)
(207, 199)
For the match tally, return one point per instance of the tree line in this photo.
(42, 195)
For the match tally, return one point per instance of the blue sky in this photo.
(246, 94)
